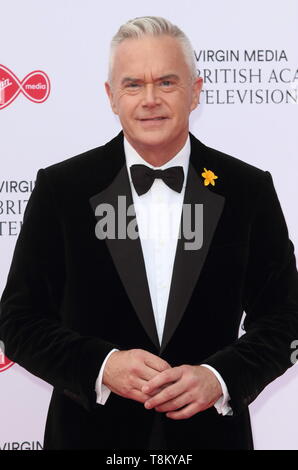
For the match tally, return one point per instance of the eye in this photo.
(132, 85)
(166, 83)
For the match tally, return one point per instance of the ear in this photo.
(196, 91)
(111, 97)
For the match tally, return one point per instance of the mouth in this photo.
(151, 119)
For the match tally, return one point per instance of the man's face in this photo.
(153, 93)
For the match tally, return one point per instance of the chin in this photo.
(153, 139)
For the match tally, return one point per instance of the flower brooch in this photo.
(209, 177)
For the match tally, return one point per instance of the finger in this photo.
(164, 378)
(155, 362)
(175, 404)
(167, 394)
(185, 413)
(139, 383)
(138, 396)
(147, 373)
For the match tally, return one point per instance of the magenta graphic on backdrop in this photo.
(35, 86)
(5, 363)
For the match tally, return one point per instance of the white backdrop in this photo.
(248, 109)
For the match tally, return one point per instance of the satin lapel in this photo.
(127, 253)
(189, 262)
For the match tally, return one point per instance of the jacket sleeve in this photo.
(270, 301)
(30, 323)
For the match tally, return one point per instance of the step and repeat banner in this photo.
(53, 65)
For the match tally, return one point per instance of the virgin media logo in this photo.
(35, 86)
(5, 363)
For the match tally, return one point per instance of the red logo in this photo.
(5, 363)
(35, 86)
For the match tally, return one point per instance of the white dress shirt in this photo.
(158, 214)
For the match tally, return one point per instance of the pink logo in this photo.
(5, 363)
(35, 86)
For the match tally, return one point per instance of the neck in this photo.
(158, 156)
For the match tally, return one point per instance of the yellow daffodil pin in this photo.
(209, 177)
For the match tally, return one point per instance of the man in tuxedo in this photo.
(130, 309)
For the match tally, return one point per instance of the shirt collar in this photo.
(180, 159)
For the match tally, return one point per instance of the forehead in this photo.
(149, 55)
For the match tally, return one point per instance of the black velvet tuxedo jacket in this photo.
(70, 298)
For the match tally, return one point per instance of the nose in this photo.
(150, 98)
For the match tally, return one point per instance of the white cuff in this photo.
(102, 391)
(222, 406)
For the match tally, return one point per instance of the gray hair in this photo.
(152, 26)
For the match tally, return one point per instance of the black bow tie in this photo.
(143, 177)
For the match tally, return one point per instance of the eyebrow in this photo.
(172, 76)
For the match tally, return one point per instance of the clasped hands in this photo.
(180, 392)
